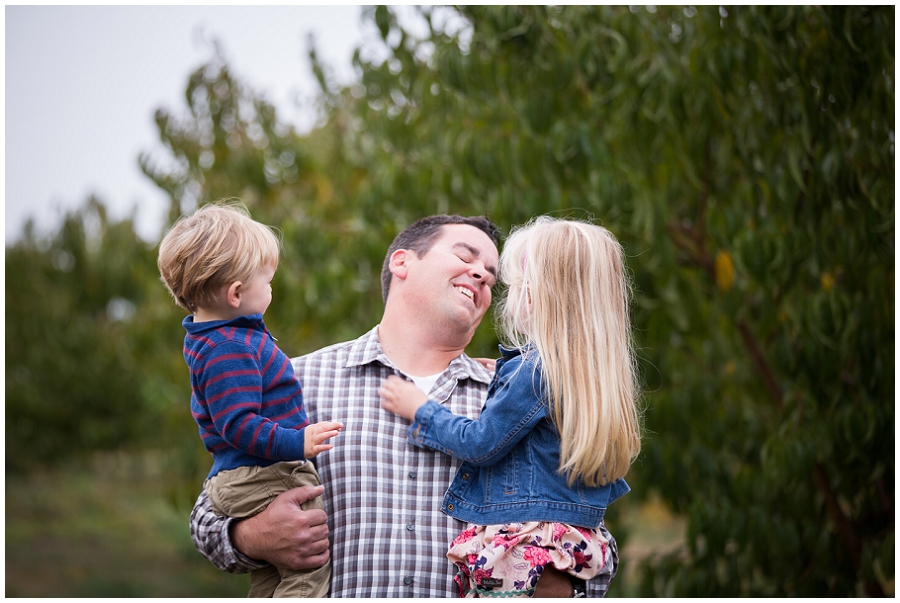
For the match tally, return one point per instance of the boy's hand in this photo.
(401, 397)
(315, 434)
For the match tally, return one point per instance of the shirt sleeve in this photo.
(232, 388)
(599, 585)
(213, 540)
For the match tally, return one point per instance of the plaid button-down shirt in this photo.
(382, 494)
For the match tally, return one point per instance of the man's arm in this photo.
(283, 535)
(210, 533)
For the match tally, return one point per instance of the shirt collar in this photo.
(526, 350)
(250, 321)
(368, 349)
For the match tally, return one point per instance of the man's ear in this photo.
(399, 263)
(233, 294)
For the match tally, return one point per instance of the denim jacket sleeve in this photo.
(514, 407)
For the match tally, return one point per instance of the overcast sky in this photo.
(83, 83)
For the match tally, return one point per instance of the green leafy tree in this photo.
(745, 156)
(230, 144)
(83, 320)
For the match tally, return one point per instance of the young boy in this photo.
(218, 264)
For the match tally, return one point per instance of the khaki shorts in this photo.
(246, 491)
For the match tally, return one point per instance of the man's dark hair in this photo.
(420, 236)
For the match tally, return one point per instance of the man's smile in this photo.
(467, 292)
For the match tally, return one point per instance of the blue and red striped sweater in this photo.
(245, 398)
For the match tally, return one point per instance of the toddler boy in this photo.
(218, 264)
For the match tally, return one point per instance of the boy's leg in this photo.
(263, 582)
(244, 492)
(313, 583)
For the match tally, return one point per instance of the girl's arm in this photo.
(513, 410)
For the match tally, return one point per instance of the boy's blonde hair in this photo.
(568, 294)
(219, 244)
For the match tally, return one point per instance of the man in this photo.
(381, 494)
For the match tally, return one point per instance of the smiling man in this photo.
(381, 494)
(436, 291)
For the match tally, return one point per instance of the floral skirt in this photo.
(507, 560)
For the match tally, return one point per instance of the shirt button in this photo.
(407, 580)
(412, 475)
(410, 527)
(450, 507)
(465, 476)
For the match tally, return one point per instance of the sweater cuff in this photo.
(290, 445)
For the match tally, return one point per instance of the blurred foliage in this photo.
(743, 155)
(87, 360)
(72, 531)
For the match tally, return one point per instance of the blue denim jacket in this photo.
(510, 471)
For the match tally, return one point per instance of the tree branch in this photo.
(846, 532)
(762, 366)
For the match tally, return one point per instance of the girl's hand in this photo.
(401, 397)
(314, 435)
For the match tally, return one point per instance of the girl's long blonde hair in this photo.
(568, 293)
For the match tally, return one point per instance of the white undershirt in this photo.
(425, 383)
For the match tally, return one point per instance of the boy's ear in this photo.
(399, 263)
(233, 294)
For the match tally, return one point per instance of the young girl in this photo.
(560, 427)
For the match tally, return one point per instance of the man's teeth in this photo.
(466, 292)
